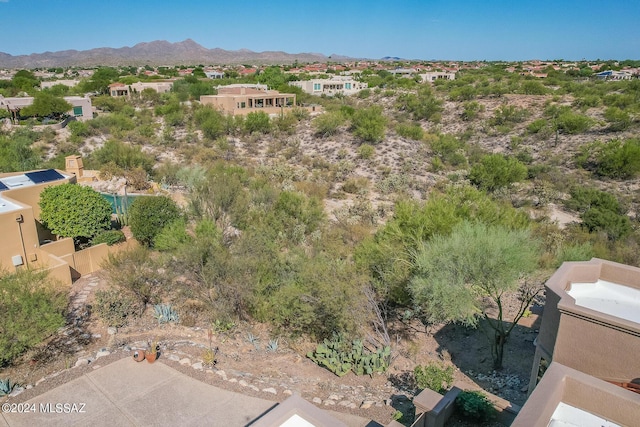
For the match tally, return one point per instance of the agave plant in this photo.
(164, 313)
(273, 345)
(6, 387)
(253, 340)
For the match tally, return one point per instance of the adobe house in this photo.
(26, 243)
(344, 85)
(242, 100)
(81, 107)
(590, 340)
(22, 233)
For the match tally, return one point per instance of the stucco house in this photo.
(81, 106)
(432, 76)
(242, 100)
(26, 243)
(121, 89)
(344, 85)
(586, 366)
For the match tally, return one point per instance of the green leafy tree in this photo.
(456, 274)
(32, 310)
(71, 210)
(149, 215)
(24, 81)
(496, 171)
(45, 104)
(101, 79)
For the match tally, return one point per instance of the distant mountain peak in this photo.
(157, 52)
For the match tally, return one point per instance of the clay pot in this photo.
(151, 356)
(139, 355)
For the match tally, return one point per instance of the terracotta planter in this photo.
(139, 355)
(151, 356)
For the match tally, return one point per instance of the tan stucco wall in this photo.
(14, 233)
(563, 384)
(587, 340)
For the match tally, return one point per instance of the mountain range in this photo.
(159, 52)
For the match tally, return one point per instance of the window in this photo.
(347, 85)
(77, 111)
(316, 86)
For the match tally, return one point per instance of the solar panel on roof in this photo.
(44, 176)
(3, 187)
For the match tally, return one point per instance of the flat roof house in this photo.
(344, 85)
(432, 76)
(243, 100)
(26, 243)
(590, 340)
(20, 228)
(81, 107)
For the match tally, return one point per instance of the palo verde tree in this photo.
(457, 275)
(71, 210)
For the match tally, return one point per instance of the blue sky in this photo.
(426, 29)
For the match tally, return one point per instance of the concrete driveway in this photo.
(126, 393)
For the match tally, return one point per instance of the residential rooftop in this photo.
(609, 298)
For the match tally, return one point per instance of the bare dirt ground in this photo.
(247, 368)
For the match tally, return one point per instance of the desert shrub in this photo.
(507, 115)
(463, 93)
(573, 123)
(257, 121)
(79, 129)
(116, 308)
(423, 105)
(433, 376)
(211, 122)
(285, 123)
(110, 237)
(364, 93)
(600, 211)
(449, 149)
(496, 171)
(533, 87)
(471, 110)
(149, 215)
(411, 131)
(328, 124)
(32, 309)
(475, 405)
(172, 236)
(369, 124)
(355, 185)
(574, 252)
(366, 151)
(123, 155)
(617, 118)
(617, 159)
(536, 126)
(138, 273)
